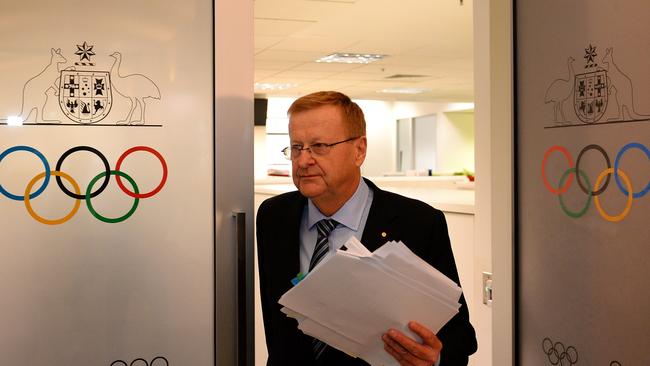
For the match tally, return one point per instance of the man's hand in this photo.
(409, 352)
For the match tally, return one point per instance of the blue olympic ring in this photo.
(617, 161)
(47, 172)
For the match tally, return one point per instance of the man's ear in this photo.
(361, 146)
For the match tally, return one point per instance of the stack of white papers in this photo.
(352, 298)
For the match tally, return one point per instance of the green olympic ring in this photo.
(587, 204)
(107, 219)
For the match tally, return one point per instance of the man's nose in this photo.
(305, 158)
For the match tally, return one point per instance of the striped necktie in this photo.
(324, 228)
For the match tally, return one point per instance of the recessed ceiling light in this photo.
(274, 86)
(404, 90)
(351, 58)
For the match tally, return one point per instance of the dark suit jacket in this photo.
(392, 217)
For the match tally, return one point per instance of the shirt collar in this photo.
(349, 215)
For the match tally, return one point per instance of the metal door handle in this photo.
(242, 300)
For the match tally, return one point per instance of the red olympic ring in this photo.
(162, 181)
(548, 185)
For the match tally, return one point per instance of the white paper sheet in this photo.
(353, 298)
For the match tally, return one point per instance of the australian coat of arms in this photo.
(590, 96)
(600, 93)
(86, 93)
(85, 96)
(590, 91)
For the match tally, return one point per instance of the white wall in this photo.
(455, 142)
(415, 109)
(260, 151)
(381, 130)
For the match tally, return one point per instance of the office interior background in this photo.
(410, 66)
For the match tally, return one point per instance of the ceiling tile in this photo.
(432, 38)
(325, 67)
(264, 42)
(260, 73)
(277, 55)
(321, 44)
(314, 75)
(279, 27)
(276, 65)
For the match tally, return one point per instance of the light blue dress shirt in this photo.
(351, 218)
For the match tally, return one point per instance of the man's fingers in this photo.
(411, 346)
(428, 337)
(397, 351)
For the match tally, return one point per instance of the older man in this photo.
(296, 230)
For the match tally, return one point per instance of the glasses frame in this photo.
(288, 151)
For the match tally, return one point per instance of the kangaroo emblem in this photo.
(35, 91)
(620, 89)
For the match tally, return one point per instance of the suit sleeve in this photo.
(262, 270)
(457, 336)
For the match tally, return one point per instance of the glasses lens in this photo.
(319, 149)
(287, 152)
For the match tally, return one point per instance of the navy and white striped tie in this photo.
(324, 228)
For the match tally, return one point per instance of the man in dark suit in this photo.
(328, 147)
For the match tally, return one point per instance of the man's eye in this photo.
(296, 147)
(318, 145)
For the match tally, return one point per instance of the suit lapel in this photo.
(379, 225)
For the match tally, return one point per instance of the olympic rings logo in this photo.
(77, 195)
(620, 177)
(158, 361)
(559, 355)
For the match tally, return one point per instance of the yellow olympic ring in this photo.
(28, 205)
(630, 196)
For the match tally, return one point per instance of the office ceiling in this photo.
(428, 44)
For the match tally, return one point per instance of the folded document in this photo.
(350, 299)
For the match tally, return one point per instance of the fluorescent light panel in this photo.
(274, 86)
(351, 58)
(403, 90)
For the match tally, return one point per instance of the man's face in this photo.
(332, 178)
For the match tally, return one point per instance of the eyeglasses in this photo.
(317, 149)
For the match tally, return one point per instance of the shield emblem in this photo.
(85, 96)
(590, 95)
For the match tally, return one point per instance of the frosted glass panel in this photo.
(583, 165)
(109, 271)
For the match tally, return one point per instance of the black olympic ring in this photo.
(106, 166)
(557, 353)
(133, 363)
(614, 363)
(584, 189)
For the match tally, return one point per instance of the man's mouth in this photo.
(308, 175)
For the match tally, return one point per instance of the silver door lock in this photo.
(487, 288)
